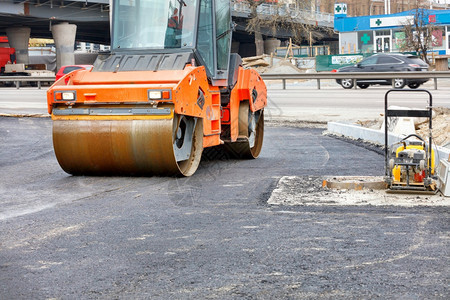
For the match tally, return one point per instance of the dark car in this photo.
(67, 69)
(386, 63)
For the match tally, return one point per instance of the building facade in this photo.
(385, 33)
(377, 7)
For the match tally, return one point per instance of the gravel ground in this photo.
(304, 190)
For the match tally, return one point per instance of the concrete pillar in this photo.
(270, 45)
(64, 36)
(235, 46)
(18, 38)
(82, 46)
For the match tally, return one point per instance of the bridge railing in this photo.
(18, 80)
(297, 14)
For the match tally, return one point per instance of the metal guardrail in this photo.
(283, 77)
(18, 79)
(358, 75)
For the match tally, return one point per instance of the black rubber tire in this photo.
(414, 85)
(363, 85)
(242, 149)
(398, 83)
(347, 83)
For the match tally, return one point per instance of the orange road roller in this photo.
(168, 89)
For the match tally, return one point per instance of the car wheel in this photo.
(398, 83)
(347, 83)
(414, 85)
(363, 85)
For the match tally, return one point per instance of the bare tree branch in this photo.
(299, 26)
(419, 34)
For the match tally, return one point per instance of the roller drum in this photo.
(123, 147)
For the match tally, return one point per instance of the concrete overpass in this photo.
(42, 18)
(239, 9)
(91, 17)
(63, 21)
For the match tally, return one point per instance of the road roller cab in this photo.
(168, 89)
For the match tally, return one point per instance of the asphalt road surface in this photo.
(210, 236)
(302, 101)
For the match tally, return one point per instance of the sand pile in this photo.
(441, 126)
(262, 65)
(254, 62)
(283, 67)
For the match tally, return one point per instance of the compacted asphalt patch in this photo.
(213, 235)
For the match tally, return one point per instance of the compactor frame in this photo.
(409, 163)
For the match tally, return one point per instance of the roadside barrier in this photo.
(358, 75)
(283, 77)
(18, 80)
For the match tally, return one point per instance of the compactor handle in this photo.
(428, 115)
(430, 97)
(414, 135)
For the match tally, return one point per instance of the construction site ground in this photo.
(263, 228)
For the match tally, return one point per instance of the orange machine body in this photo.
(179, 88)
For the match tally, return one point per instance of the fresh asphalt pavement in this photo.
(211, 235)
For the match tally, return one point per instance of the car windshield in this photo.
(70, 69)
(416, 60)
(153, 24)
(369, 61)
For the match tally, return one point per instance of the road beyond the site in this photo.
(212, 235)
(300, 102)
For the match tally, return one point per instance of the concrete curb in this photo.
(357, 183)
(20, 115)
(376, 136)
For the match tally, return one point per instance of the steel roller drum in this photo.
(127, 147)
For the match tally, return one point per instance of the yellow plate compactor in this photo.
(409, 163)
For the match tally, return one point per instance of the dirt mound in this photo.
(254, 61)
(283, 67)
(372, 124)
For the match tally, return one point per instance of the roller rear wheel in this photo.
(251, 133)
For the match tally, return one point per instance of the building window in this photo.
(382, 32)
(365, 41)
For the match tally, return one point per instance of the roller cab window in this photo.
(153, 24)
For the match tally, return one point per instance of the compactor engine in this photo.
(168, 89)
(408, 164)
